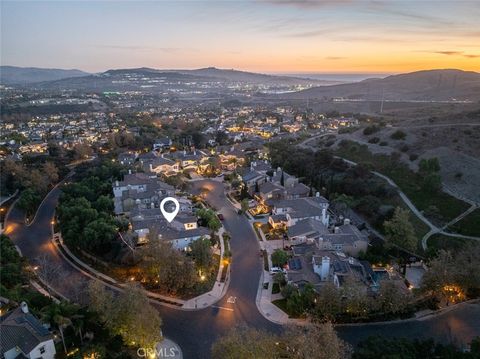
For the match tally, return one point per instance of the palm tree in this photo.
(59, 314)
(78, 324)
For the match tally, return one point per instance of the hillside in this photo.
(147, 79)
(429, 85)
(252, 77)
(12, 75)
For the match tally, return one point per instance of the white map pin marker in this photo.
(169, 216)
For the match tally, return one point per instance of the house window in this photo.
(42, 350)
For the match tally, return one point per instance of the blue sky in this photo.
(268, 36)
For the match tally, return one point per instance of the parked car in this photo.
(275, 270)
(220, 216)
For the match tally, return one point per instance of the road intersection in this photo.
(195, 330)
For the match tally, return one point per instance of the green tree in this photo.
(167, 268)
(279, 258)
(242, 342)
(129, 314)
(202, 253)
(328, 304)
(99, 235)
(136, 320)
(305, 342)
(11, 264)
(244, 205)
(392, 298)
(60, 314)
(313, 341)
(104, 204)
(29, 201)
(244, 191)
(209, 217)
(399, 231)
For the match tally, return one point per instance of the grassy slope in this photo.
(448, 207)
(469, 226)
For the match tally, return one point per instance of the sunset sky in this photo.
(268, 36)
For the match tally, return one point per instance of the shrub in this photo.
(404, 148)
(413, 157)
(398, 135)
(369, 130)
(374, 140)
(383, 143)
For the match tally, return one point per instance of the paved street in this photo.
(195, 331)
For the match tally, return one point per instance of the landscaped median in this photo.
(212, 296)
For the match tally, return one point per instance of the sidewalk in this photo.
(219, 288)
(264, 296)
(269, 310)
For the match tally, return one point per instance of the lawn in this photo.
(448, 207)
(282, 304)
(439, 241)
(469, 226)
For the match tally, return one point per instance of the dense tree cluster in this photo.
(331, 176)
(11, 264)
(34, 180)
(400, 232)
(454, 276)
(85, 212)
(350, 302)
(167, 268)
(304, 342)
(381, 347)
(128, 314)
(209, 218)
(69, 321)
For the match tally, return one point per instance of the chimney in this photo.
(151, 167)
(129, 172)
(336, 230)
(346, 221)
(317, 194)
(24, 307)
(325, 268)
(116, 183)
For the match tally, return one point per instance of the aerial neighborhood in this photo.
(220, 214)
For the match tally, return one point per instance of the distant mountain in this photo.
(254, 78)
(13, 75)
(176, 81)
(429, 85)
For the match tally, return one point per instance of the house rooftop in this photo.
(22, 330)
(308, 227)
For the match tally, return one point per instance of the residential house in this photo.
(161, 166)
(127, 158)
(301, 208)
(162, 143)
(180, 232)
(22, 335)
(193, 161)
(232, 159)
(317, 267)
